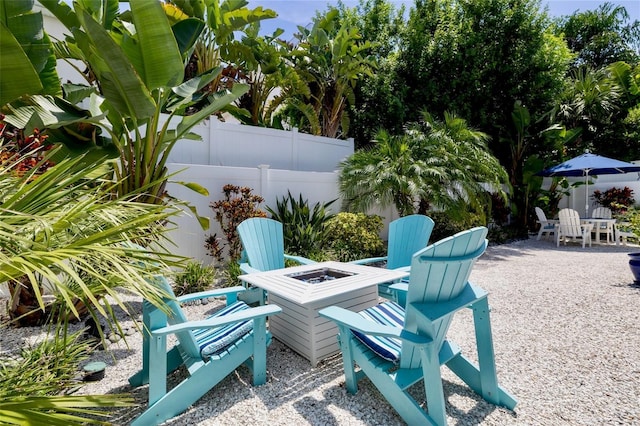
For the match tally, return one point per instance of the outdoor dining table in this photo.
(597, 225)
(301, 291)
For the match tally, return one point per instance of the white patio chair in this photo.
(607, 228)
(571, 228)
(547, 226)
(623, 232)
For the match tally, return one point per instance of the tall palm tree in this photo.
(589, 102)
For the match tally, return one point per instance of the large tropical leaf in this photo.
(156, 45)
(65, 123)
(186, 33)
(15, 66)
(216, 102)
(120, 83)
(22, 35)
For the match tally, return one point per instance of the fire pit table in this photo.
(301, 291)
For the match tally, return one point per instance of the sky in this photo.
(292, 13)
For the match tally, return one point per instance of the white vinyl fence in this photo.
(269, 183)
(232, 144)
(270, 162)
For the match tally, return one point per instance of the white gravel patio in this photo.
(566, 338)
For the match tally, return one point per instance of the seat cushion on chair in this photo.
(214, 340)
(387, 313)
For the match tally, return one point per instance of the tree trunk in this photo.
(25, 310)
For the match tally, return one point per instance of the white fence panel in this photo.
(271, 184)
(232, 144)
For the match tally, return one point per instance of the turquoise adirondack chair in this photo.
(395, 347)
(263, 249)
(209, 349)
(407, 235)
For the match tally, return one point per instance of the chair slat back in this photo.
(407, 235)
(601, 213)
(188, 344)
(263, 243)
(569, 223)
(542, 218)
(439, 273)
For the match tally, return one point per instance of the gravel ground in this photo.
(566, 339)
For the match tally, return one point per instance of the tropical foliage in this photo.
(193, 278)
(238, 204)
(304, 228)
(330, 59)
(64, 229)
(602, 36)
(433, 165)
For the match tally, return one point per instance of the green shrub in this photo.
(629, 221)
(193, 278)
(304, 229)
(231, 274)
(446, 225)
(354, 236)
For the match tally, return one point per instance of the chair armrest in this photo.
(354, 321)
(401, 287)
(434, 311)
(246, 269)
(210, 293)
(369, 260)
(301, 260)
(246, 314)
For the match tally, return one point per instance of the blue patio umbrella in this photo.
(590, 165)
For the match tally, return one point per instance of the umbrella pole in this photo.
(586, 196)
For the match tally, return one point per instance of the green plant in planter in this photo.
(354, 236)
(195, 277)
(304, 228)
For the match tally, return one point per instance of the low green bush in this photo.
(193, 278)
(352, 236)
(445, 225)
(231, 273)
(629, 221)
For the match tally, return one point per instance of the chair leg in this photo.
(401, 401)
(482, 379)
(205, 376)
(259, 363)
(344, 340)
(433, 385)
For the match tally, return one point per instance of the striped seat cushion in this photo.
(212, 341)
(387, 313)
